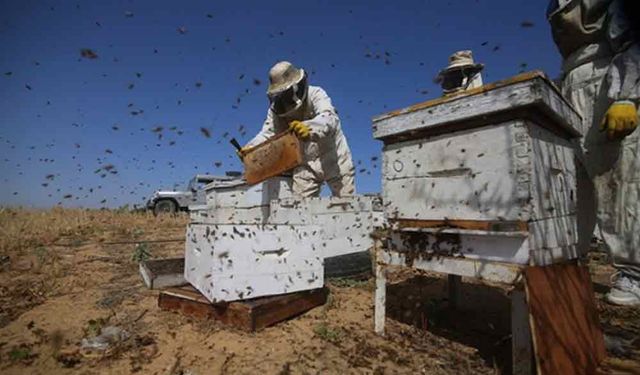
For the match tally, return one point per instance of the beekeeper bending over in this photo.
(308, 111)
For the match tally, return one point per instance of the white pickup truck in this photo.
(171, 201)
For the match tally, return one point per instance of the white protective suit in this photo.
(601, 65)
(326, 155)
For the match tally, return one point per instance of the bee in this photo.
(88, 53)
(205, 132)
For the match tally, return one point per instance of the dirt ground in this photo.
(61, 280)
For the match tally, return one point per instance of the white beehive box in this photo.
(486, 174)
(235, 202)
(235, 262)
(347, 222)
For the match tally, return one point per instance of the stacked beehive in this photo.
(488, 174)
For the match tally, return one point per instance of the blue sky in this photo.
(195, 64)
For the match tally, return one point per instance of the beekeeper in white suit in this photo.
(308, 111)
(461, 74)
(601, 78)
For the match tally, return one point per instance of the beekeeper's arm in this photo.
(324, 123)
(623, 75)
(267, 131)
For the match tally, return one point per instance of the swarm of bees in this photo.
(112, 145)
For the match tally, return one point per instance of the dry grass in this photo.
(24, 230)
(41, 251)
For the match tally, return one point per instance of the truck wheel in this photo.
(164, 206)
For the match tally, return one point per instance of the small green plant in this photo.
(330, 304)
(20, 354)
(141, 252)
(94, 326)
(41, 253)
(137, 232)
(333, 335)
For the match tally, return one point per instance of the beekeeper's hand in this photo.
(301, 129)
(620, 120)
(242, 152)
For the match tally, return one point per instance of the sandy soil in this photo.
(56, 291)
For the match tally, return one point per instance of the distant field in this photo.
(24, 230)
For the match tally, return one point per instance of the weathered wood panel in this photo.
(540, 242)
(299, 211)
(230, 215)
(235, 202)
(346, 222)
(189, 302)
(494, 226)
(553, 240)
(564, 321)
(507, 273)
(236, 262)
(499, 154)
(509, 247)
(510, 171)
(531, 92)
(250, 315)
(553, 185)
(477, 174)
(279, 308)
(238, 194)
(545, 257)
(272, 158)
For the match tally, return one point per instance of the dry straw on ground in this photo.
(24, 229)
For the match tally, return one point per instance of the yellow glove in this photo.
(301, 129)
(620, 120)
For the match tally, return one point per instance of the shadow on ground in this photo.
(481, 320)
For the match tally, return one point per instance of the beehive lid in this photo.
(529, 95)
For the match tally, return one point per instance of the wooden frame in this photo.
(273, 157)
(454, 268)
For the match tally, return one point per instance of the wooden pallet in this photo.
(250, 315)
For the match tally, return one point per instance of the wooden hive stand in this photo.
(249, 315)
(554, 322)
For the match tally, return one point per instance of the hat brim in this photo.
(474, 68)
(275, 89)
